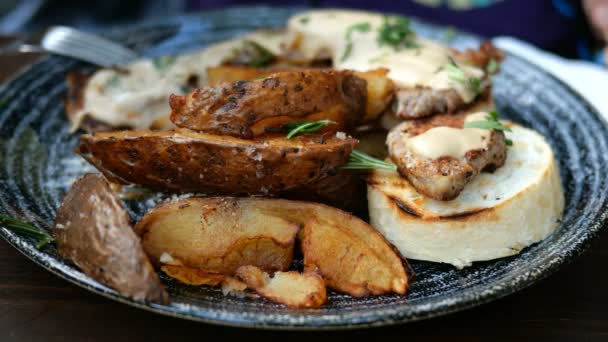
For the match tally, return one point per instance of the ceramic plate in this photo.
(37, 166)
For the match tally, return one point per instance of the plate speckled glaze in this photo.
(37, 166)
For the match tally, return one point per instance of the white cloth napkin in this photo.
(590, 80)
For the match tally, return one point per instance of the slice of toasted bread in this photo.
(497, 214)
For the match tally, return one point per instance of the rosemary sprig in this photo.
(360, 27)
(492, 66)
(361, 161)
(456, 74)
(396, 32)
(27, 230)
(163, 62)
(252, 54)
(491, 122)
(298, 128)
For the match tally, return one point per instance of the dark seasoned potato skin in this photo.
(92, 230)
(186, 161)
(232, 108)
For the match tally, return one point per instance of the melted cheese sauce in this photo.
(322, 33)
(139, 97)
(440, 142)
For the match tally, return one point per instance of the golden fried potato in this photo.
(186, 161)
(352, 257)
(293, 289)
(192, 276)
(92, 230)
(217, 235)
(233, 108)
(344, 250)
(380, 92)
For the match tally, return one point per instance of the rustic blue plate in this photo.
(37, 166)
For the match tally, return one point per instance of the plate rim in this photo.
(380, 316)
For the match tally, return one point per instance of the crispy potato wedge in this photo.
(92, 230)
(294, 289)
(233, 108)
(186, 161)
(347, 252)
(192, 276)
(380, 88)
(352, 257)
(380, 92)
(218, 235)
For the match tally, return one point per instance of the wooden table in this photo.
(38, 306)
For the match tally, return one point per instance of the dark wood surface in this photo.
(38, 306)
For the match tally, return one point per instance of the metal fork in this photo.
(66, 41)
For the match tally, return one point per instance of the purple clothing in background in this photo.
(550, 24)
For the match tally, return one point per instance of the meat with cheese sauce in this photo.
(443, 177)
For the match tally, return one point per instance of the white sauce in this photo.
(140, 97)
(323, 32)
(450, 142)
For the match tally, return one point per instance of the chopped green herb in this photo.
(491, 122)
(251, 54)
(456, 74)
(379, 58)
(163, 62)
(114, 81)
(449, 34)
(361, 161)
(24, 229)
(298, 128)
(360, 27)
(396, 32)
(492, 66)
(304, 20)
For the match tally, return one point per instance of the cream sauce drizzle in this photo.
(323, 32)
(140, 98)
(450, 142)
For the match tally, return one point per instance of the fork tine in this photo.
(70, 42)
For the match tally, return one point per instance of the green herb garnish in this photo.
(361, 161)
(491, 122)
(251, 54)
(304, 20)
(492, 66)
(456, 74)
(396, 32)
(24, 229)
(360, 27)
(163, 62)
(298, 128)
(113, 82)
(449, 34)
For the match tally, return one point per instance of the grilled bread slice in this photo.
(496, 215)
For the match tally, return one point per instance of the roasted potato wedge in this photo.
(92, 230)
(352, 257)
(186, 161)
(344, 250)
(294, 289)
(217, 235)
(380, 88)
(233, 108)
(380, 92)
(192, 276)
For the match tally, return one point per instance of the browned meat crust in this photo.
(419, 102)
(443, 178)
(233, 108)
(186, 161)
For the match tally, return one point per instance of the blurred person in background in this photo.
(570, 28)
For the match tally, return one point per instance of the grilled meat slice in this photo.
(419, 102)
(233, 108)
(442, 178)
